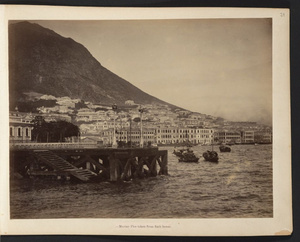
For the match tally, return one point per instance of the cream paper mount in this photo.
(238, 69)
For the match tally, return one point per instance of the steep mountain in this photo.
(42, 61)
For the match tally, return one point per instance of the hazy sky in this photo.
(218, 67)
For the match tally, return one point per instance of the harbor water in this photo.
(238, 186)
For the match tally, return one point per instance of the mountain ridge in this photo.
(42, 61)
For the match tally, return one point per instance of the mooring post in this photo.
(165, 164)
(113, 168)
(154, 166)
(127, 170)
(88, 165)
(140, 170)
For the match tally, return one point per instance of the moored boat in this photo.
(188, 157)
(211, 156)
(224, 148)
(179, 152)
(185, 155)
(182, 151)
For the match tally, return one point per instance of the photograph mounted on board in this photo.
(143, 119)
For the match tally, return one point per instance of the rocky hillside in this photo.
(42, 61)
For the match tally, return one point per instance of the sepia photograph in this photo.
(142, 119)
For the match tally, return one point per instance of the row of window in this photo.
(184, 136)
(19, 132)
(138, 137)
(184, 131)
(168, 136)
(134, 137)
(177, 141)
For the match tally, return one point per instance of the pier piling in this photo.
(87, 164)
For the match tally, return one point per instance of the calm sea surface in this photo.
(239, 186)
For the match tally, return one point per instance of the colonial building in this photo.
(263, 136)
(20, 127)
(175, 135)
(247, 137)
(127, 135)
(167, 135)
(237, 137)
(228, 137)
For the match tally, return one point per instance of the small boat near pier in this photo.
(211, 156)
(224, 148)
(186, 155)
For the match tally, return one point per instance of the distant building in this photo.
(238, 137)
(129, 102)
(263, 136)
(130, 135)
(228, 137)
(191, 122)
(91, 139)
(175, 135)
(196, 116)
(55, 117)
(167, 135)
(134, 135)
(48, 97)
(107, 136)
(242, 123)
(247, 137)
(183, 112)
(87, 115)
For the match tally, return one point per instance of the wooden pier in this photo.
(87, 164)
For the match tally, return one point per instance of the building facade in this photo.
(177, 135)
(234, 137)
(263, 136)
(20, 127)
(228, 137)
(247, 137)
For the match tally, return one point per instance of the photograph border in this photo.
(280, 224)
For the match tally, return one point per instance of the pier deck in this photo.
(85, 163)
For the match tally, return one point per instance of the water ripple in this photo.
(239, 186)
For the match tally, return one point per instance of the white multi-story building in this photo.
(228, 137)
(247, 137)
(167, 135)
(173, 135)
(238, 137)
(263, 136)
